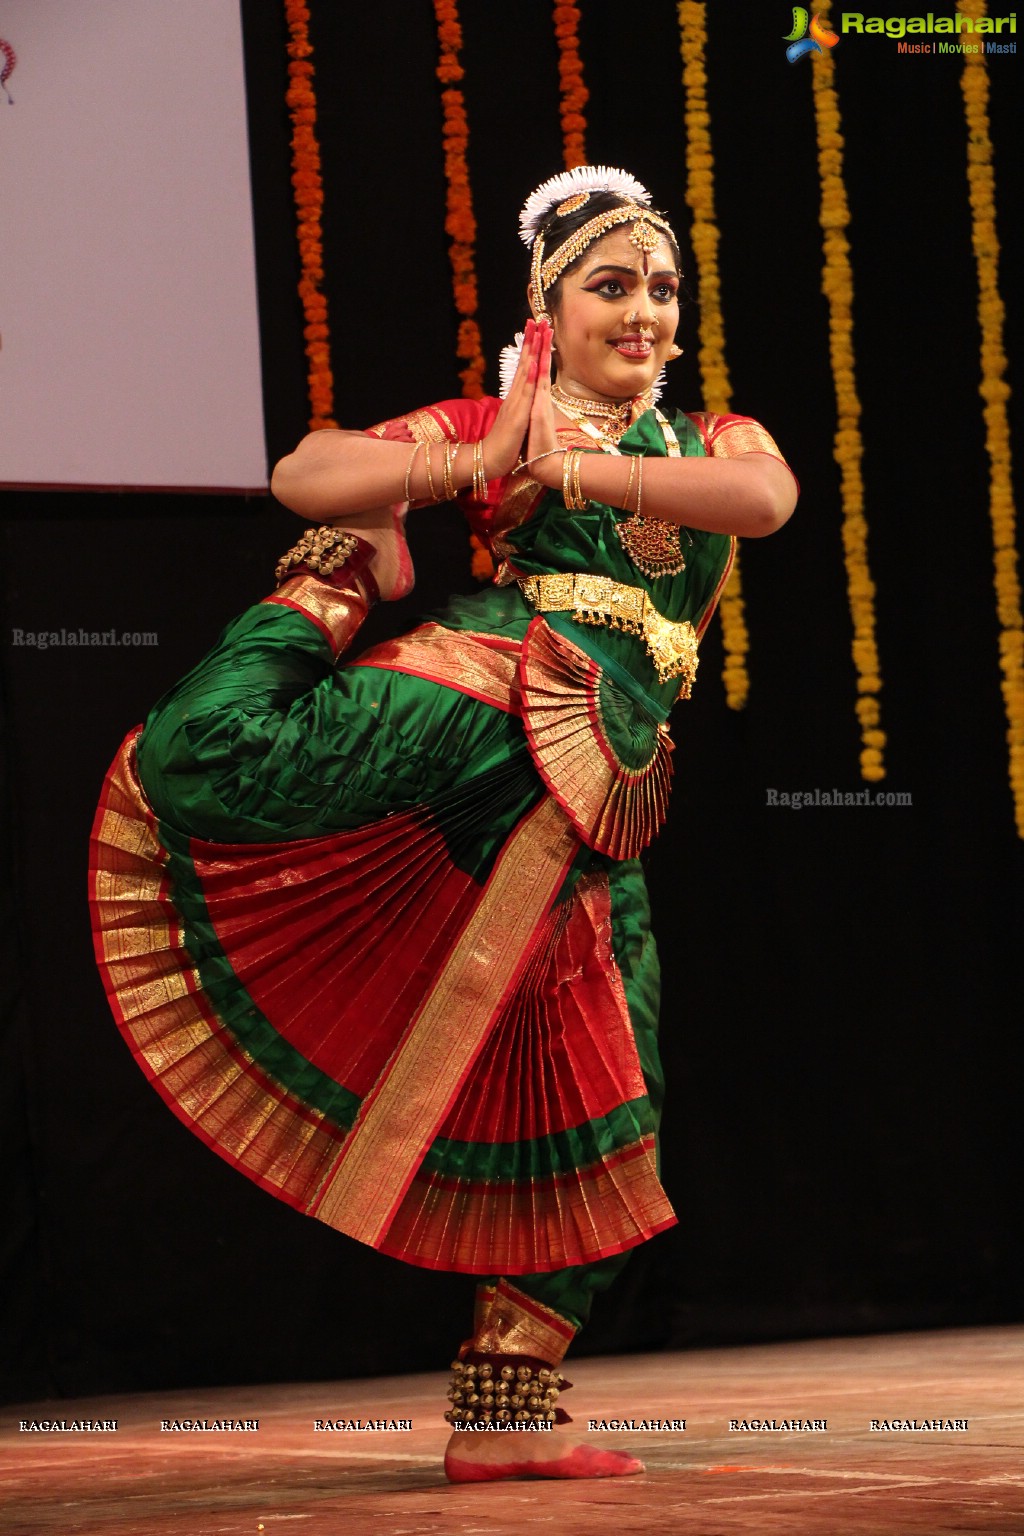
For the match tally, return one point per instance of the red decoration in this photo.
(574, 93)
(309, 201)
(459, 223)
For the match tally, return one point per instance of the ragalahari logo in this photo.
(807, 39)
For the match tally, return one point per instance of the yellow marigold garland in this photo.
(995, 392)
(717, 389)
(848, 448)
(309, 200)
(574, 93)
(459, 223)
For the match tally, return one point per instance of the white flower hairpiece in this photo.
(508, 362)
(582, 178)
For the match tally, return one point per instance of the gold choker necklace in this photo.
(620, 415)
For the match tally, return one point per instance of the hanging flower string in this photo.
(995, 393)
(848, 448)
(459, 223)
(716, 387)
(574, 93)
(309, 201)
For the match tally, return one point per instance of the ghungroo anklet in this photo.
(320, 550)
(505, 1389)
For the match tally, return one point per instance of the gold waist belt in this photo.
(600, 600)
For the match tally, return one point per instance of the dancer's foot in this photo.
(391, 566)
(488, 1456)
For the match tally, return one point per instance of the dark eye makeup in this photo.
(613, 288)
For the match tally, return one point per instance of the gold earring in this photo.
(674, 352)
(539, 312)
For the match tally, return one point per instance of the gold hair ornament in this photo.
(578, 200)
(648, 228)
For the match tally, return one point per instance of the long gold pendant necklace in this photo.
(653, 545)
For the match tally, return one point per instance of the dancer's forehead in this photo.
(616, 250)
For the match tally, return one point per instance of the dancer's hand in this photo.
(542, 449)
(504, 442)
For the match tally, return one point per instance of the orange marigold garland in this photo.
(459, 223)
(574, 93)
(716, 386)
(995, 392)
(309, 200)
(848, 448)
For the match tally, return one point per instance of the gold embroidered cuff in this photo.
(508, 1322)
(336, 611)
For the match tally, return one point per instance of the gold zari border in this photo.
(153, 986)
(336, 611)
(460, 659)
(421, 426)
(509, 1322)
(403, 1113)
(737, 437)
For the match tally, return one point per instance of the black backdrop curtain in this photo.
(842, 1104)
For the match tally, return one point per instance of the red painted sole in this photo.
(582, 1461)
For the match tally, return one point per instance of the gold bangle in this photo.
(629, 482)
(581, 500)
(572, 494)
(639, 484)
(479, 473)
(451, 453)
(567, 478)
(430, 472)
(406, 495)
(538, 456)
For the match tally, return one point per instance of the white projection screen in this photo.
(129, 338)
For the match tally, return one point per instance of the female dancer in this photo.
(378, 931)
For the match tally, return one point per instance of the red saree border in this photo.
(601, 1210)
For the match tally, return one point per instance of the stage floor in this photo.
(287, 1478)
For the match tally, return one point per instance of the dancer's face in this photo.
(616, 318)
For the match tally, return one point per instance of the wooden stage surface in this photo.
(289, 1479)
